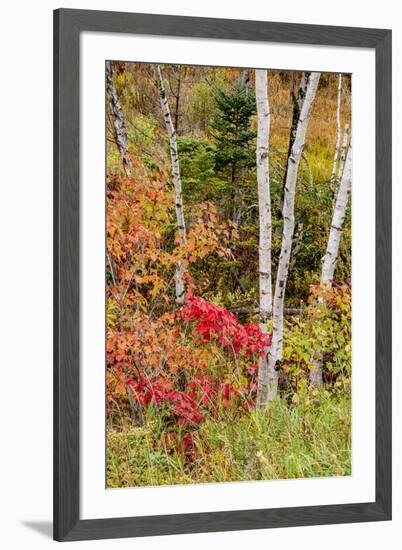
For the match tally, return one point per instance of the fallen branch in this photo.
(247, 310)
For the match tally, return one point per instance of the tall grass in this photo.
(308, 437)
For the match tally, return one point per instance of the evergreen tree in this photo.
(234, 140)
(231, 129)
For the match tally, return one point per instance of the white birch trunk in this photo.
(275, 350)
(174, 157)
(315, 373)
(265, 225)
(331, 254)
(297, 107)
(245, 78)
(344, 150)
(338, 217)
(316, 362)
(120, 134)
(338, 135)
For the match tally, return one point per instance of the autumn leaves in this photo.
(228, 216)
(271, 304)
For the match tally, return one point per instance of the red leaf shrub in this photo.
(184, 407)
(159, 364)
(216, 322)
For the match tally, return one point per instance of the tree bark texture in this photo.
(344, 150)
(275, 350)
(331, 254)
(338, 136)
(297, 106)
(245, 77)
(174, 158)
(338, 217)
(120, 134)
(265, 224)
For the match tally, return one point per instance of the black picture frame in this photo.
(68, 24)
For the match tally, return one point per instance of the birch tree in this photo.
(275, 350)
(316, 361)
(331, 254)
(344, 149)
(297, 106)
(174, 158)
(338, 135)
(175, 91)
(338, 218)
(265, 225)
(120, 134)
(245, 78)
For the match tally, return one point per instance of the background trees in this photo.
(200, 223)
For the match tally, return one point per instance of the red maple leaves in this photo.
(193, 396)
(184, 405)
(212, 321)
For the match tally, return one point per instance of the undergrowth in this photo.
(308, 437)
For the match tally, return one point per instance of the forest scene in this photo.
(228, 274)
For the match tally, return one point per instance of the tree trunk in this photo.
(331, 254)
(176, 94)
(315, 373)
(338, 217)
(174, 157)
(275, 350)
(265, 226)
(344, 150)
(245, 78)
(297, 107)
(338, 136)
(120, 134)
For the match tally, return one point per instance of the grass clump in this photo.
(308, 437)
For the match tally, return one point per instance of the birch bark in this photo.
(245, 78)
(338, 217)
(265, 224)
(275, 350)
(297, 106)
(174, 158)
(120, 134)
(344, 149)
(338, 136)
(331, 254)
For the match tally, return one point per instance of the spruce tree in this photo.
(234, 139)
(231, 129)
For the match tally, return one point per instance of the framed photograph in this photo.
(222, 275)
